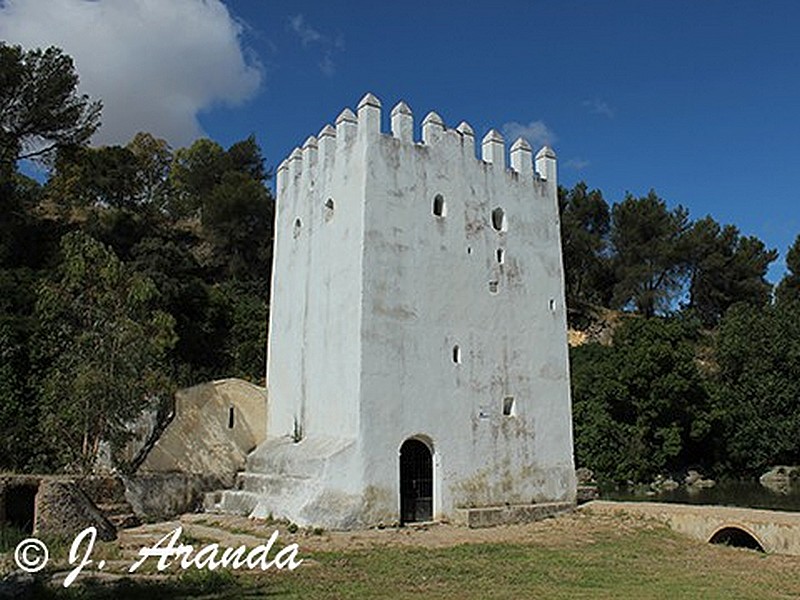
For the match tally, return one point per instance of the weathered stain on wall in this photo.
(428, 303)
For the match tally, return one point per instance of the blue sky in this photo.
(699, 100)
(696, 99)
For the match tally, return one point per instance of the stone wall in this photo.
(158, 496)
(64, 505)
(63, 509)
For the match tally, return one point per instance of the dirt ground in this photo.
(569, 529)
(584, 553)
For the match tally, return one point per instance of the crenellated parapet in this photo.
(417, 326)
(363, 128)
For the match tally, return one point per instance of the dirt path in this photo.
(574, 528)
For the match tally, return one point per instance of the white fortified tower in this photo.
(417, 358)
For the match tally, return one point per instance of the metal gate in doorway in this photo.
(416, 482)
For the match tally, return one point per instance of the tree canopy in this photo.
(40, 108)
(136, 268)
(101, 349)
(789, 287)
(640, 406)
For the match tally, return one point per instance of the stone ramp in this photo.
(281, 479)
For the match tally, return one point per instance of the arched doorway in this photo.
(416, 482)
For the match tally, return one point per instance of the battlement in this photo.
(363, 129)
(417, 325)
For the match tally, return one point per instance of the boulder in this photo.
(694, 480)
(780, 478)
(584, 476)
(663, 484)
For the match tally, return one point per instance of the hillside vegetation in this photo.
(132, 270)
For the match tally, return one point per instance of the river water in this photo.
(748, 494)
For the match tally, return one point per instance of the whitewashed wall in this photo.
(370, 298)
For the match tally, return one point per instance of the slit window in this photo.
(552, 304)
(457, 354)
(501, 256)
(508, 406)
(230, 417)
(439, 208)
(298, 224)
(328, 210)
(499, 219)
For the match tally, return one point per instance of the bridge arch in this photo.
(737, 535)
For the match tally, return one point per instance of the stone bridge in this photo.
(767, 530)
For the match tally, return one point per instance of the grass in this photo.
(646, 564)
(600, 559)
(10, 536)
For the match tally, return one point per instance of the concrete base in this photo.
(491, 516)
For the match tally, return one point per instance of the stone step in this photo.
(491, 516)
(270, 485)
(307, 458)
(299, 466)
(120, 514)
(232, 502)
(280, 477)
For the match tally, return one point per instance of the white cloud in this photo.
(306, 33)
(309, 36)
(599, 107)
(535, 132)
(155, 64)
(578, 164)
(327, 66)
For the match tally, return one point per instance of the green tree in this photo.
(96, 177)
(40, 109)
(244, 307)
(238, 220)
(585, 224)
(201, 324)
(789, 287)
(758, 390)
(640, 407)
(198, 169)
(245, 157)
(101, 349)
(725, 268)
(112, 176)
(154, 157)
(19, 433)
(17, 197)
(648, 253)
(195, 172)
